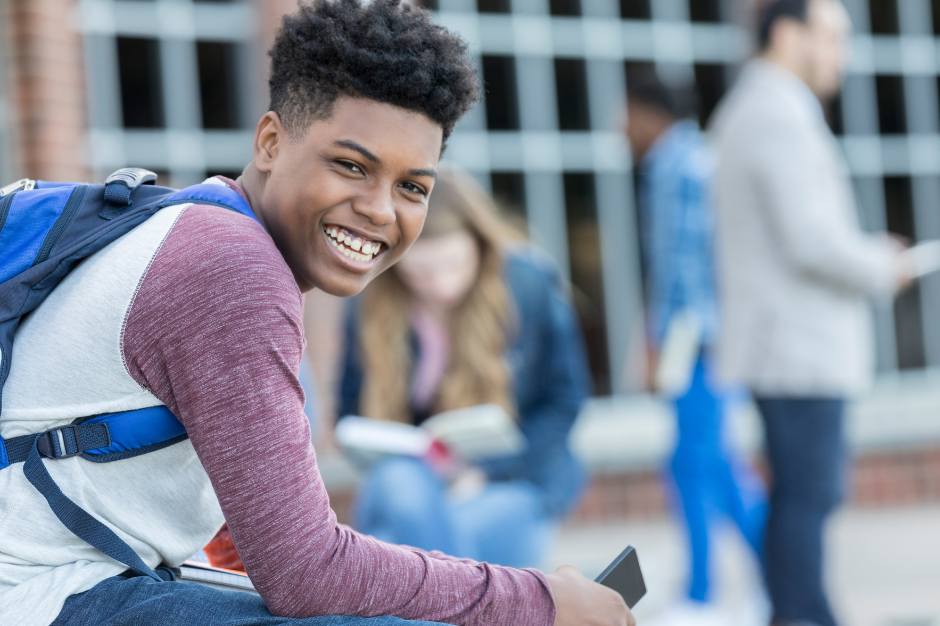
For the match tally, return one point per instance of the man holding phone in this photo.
(796, 273)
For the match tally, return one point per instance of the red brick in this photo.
(47, 81)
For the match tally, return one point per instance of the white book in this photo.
(472, 434)
(216, 577)
(678, 354)
(478, 432)
(925, 257)
(366, 441)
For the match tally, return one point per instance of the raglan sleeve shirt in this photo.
(215, 332)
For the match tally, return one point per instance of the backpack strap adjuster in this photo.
(67, 441)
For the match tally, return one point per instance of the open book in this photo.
(472, 434)
(216, 577)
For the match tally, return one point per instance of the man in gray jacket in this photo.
(795, 273)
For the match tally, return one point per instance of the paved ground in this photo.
(884, 568)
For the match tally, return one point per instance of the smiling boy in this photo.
(199, 309)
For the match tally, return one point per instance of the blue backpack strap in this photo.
(207, 193)
(73, 517)
(133, 433)
(103, 439)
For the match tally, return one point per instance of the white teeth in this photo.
(351, 246)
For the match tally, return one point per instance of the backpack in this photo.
(45, 229)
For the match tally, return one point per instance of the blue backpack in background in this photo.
(45, 229)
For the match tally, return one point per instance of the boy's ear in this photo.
(268, 137)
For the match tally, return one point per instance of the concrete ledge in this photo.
(635, 433)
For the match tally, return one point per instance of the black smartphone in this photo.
(624, 577)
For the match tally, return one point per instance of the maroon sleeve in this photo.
(215, 332)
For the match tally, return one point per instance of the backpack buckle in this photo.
(23, 184)
(131, 177)
(55, 443)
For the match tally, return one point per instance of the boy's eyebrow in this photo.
(352, 145)
(431, 173)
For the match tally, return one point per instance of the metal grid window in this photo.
(635, 9)
(163, 86)
(887, 120)
(547, 139)
(565, 162)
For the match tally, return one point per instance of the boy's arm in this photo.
(215, 332)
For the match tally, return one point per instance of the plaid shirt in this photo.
(676, 210)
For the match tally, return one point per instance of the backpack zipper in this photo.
(68, 213)
(23, 184)
(5, 202)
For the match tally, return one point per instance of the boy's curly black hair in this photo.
(386, 51)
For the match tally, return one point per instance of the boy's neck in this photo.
(252, 183)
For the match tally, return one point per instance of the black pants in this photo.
(806, 450)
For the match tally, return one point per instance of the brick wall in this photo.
(46, 80)
(895, 478)
(6, 128)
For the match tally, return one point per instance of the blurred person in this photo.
(795, 273)
(197, 312)
(467, 319)
(675, 188)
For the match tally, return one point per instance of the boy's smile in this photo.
(354, 246)
(347, 199)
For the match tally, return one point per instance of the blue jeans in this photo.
(807, 454)
(709, 479)
(142, 601)
(402, 501)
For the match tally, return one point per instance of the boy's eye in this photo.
(352, 167)
(413, 188)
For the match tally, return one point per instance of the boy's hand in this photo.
(582, 602)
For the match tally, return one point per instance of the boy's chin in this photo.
(343, 286)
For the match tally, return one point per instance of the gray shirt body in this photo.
(795, 269)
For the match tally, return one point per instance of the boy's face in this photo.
(345, 201)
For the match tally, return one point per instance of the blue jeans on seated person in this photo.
(142, 601)
(402, 501)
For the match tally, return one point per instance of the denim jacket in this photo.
(550, 377)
